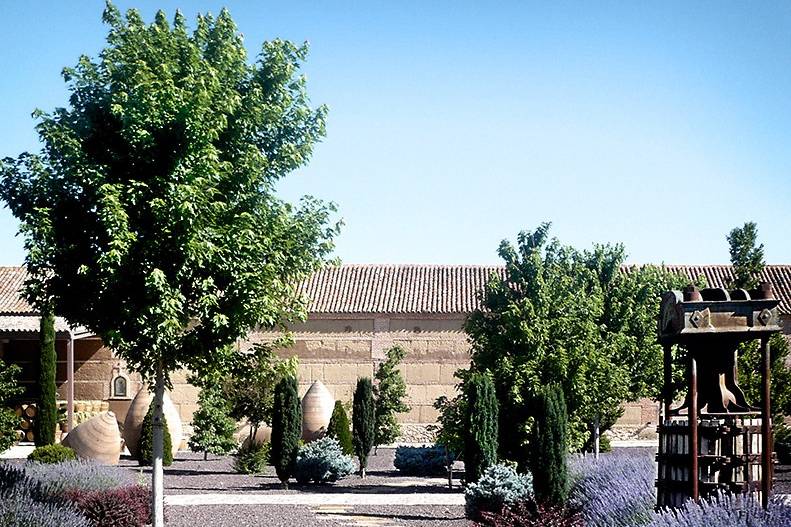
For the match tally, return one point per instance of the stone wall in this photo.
(333, 349)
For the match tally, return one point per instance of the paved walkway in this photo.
(333, 499)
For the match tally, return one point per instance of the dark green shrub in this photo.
(480, 440)
(213, 427)
(286, 428)
(252, 457)
(322, 461)
(549, 463)
(51, 454)
(363, 421)
(47, 416)
(421, 460)
(340, 429)
(146, 455)
(782, 433)
(390, 392)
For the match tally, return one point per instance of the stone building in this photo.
(356, 312)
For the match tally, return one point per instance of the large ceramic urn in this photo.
(262, 435)
(317, 406)
(133, 424)
(98, 438)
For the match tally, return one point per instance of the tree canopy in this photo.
(747, 257)
(570, 317)
(150, 215)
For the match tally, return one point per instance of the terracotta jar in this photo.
(317, 406)
(133, 423)
(97, 438)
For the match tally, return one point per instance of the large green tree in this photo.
(747, 258)
(150, 216)
(571, 317)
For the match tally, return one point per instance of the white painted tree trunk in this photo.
(157, 475)
(596, 438)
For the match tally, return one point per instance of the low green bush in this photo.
(252, 457)
(50, 454)
(499, 486)
(421, 460)
(322, 461)
(146, 454)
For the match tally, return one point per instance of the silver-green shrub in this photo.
(499, 486)
(322, 461)
(421, 460)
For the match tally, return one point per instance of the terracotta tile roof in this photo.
(28, 324)
(397, 288)
(441, 289)
(445, 289)
(11, 282)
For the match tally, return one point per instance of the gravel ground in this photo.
(190, 474)
(243, 516)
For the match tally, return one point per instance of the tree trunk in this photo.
(362, 472)
(596, 438)
(205, 455)
(157, 475)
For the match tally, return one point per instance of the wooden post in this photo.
(693, 425)
(766, 422)
(668, 380)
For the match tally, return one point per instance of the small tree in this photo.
(213, 428)
(286, 428)
(480, 442)
(747, 257)
(9, 388)
(146, 454)
(340, 429)
(249, 388)
(363, 421)
(549, 463)
(47, 416)
(390, 392)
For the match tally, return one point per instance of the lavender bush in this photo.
(616, 490)
(727, 510)
(19, 509)
(77, 475)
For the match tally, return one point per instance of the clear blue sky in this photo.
(453, 125)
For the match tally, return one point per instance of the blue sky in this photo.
(453, 125)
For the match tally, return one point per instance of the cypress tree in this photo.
(340, 429)
(550, 471)
(146, 454)
(286, 428)
(480, 440)
(363, 421)
(47, 416)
